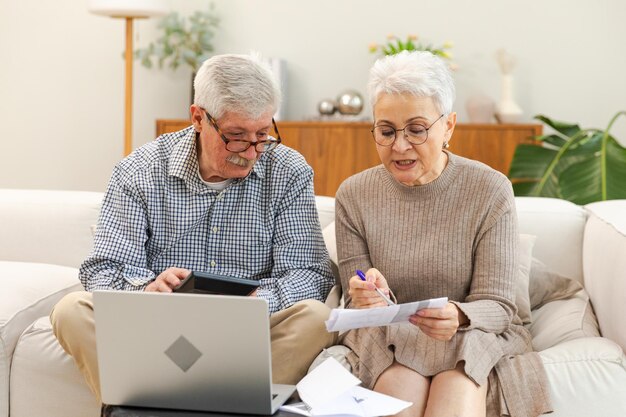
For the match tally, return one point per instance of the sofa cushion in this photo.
(559, 226)
(522, 296)
(29, 291)
(325, 209)
(40, 365)
(47, 226)
(337, 352)
(328, 233)
(562, 320)
(604, 262)
(546, 286)
(587, 377)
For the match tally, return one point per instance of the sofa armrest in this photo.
(29, 291)
(604, 265)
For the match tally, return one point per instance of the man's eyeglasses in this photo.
(238, 145)
(414, 133)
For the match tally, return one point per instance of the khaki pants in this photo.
(298, 335)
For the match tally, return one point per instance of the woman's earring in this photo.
(445, 145)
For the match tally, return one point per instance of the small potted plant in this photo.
(395, 45)
(183, 41)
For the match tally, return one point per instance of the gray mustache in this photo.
(242, 162)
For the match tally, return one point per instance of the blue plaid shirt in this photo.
(157, 213)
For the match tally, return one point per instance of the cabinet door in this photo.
(335, 151)
(492, 144)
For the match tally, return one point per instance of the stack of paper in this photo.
(347, 319)
(330, 390)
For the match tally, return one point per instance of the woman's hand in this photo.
(363, 293)
(440, 323)
(168, 280)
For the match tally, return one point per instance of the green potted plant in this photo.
(579, 165)
(395, 45)
(183, 41)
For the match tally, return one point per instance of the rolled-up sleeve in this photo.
(118, 260)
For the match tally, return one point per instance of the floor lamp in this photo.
(129, 10)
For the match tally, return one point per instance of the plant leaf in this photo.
(554, 140)
(524, 188)
(530, 161)
(565, 128)
(580, 182)
(528, 167)
(615, 170)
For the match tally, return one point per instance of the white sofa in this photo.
(44, 235)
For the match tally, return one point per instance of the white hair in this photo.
(419, 73)
(236, 83)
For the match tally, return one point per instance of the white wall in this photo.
(62, 72)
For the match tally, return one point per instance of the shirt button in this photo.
(215, 229)
(220, 196)
(213, 263)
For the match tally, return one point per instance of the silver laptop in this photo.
(186, 351)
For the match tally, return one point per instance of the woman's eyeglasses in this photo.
(414, 133)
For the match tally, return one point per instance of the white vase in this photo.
(507, 110)
(480, 108)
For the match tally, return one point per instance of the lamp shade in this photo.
(128, 8)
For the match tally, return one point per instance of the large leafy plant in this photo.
(184, 41)
(579, 165)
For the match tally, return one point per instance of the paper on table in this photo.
(325, 382)
(330, 390)
(347, 319)
(359, 401)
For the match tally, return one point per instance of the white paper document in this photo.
(346, 319)
(330, 390)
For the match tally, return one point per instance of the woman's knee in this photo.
(454, 393)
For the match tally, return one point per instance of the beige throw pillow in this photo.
(522, 297)
(546, 286)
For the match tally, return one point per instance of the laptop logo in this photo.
(183, 353)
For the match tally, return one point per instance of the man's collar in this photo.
(183, 160)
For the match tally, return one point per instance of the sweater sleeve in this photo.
(490, 303)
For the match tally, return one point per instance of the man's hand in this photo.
(440, 323)
(168, 280)
(364, 293)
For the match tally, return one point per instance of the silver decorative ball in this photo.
(350, 102)
(327, 107)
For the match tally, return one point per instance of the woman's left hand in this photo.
(440, 323)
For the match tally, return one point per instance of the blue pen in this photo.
(361, 275)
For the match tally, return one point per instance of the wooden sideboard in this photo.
(337, 150)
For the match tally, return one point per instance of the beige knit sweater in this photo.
(456, 237)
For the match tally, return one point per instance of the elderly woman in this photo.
(425, 224)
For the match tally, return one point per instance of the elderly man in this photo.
(221, 196)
